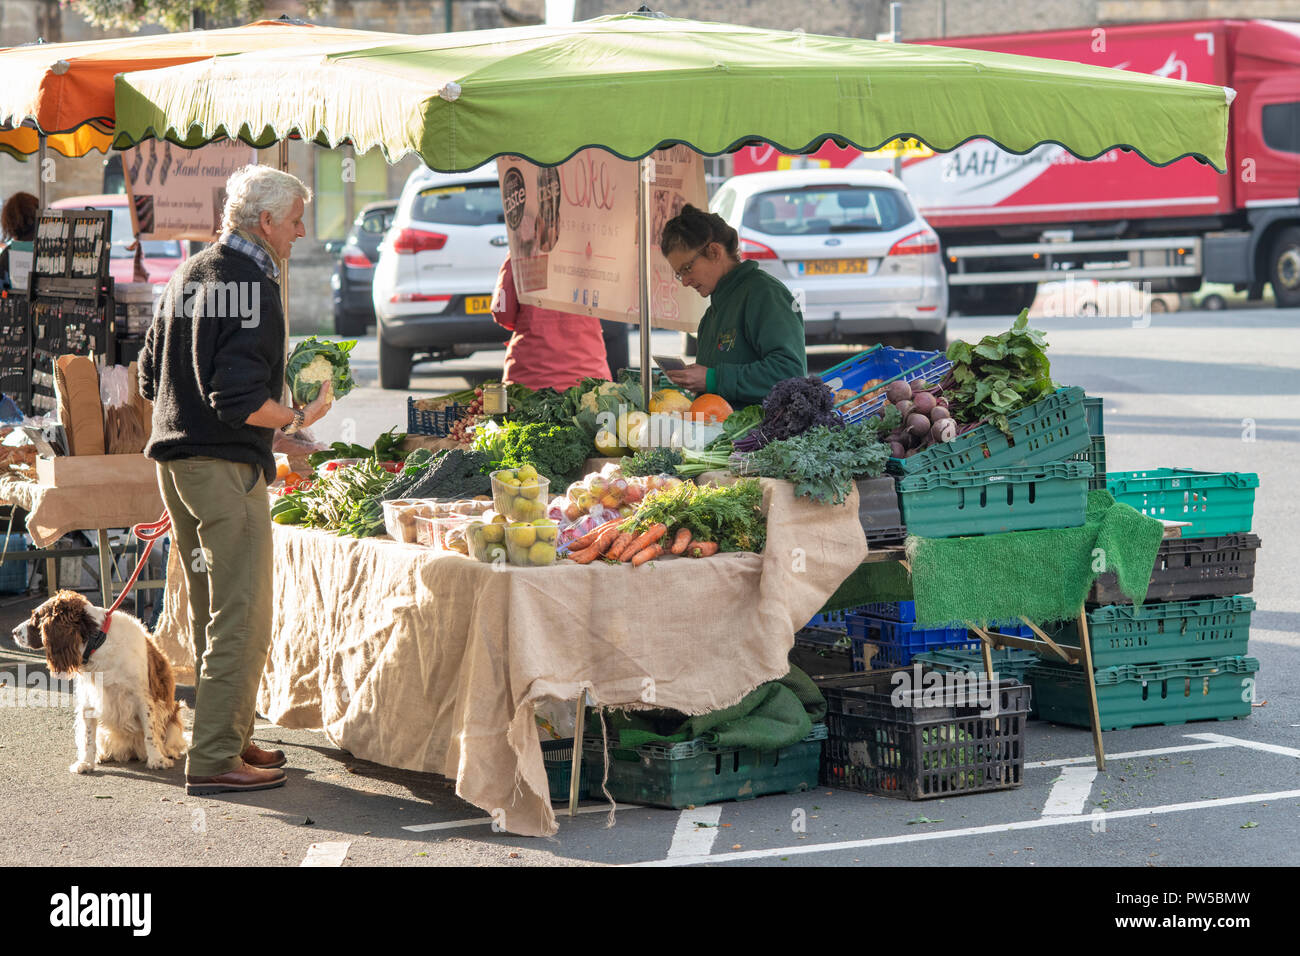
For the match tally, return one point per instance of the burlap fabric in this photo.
(433, 663)
(53, 512)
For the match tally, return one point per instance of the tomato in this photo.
(292, 479)
(391, 466)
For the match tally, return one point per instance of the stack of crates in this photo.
(1182, 655)
(884, 634)
(989, 482)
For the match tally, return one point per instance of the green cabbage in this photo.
(316, 361)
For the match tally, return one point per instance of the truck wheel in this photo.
(1214, 302)
(1284, 271)
(346, 324)
(394, 362)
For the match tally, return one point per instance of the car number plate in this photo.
(833, 267)
(477, 304)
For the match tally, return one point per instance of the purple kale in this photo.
(793, 406)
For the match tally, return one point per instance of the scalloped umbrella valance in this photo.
(634, 83)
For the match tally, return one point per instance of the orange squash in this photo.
(710, 408)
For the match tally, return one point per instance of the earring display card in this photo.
(15, 351)
(73, 243)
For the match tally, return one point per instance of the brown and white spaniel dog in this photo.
(126, 695)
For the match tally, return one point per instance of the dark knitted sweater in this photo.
(213, 356)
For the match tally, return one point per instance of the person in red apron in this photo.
(548, 348)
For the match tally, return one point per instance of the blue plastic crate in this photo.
(13, 573)
(897, 642)
(904, 611)
(887, 364)
(832, 621)
(436, 423)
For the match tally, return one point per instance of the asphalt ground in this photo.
(1210, 391)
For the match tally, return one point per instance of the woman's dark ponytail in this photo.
(694, 228)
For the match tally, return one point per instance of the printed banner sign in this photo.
(179, 193)
(573, 234)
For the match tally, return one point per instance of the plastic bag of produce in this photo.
(315, 361)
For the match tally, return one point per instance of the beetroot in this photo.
(896, 450)
(898, 392)
(939, 413)
(918, 424)
(944, 430)
(925, 402)
(905, 408)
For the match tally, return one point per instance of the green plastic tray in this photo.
(1095, 456)
(1049, 430)
(1172, 631)
(1214, 502)
(1129, 696)
(557, 755)
(993, 502)
(695, 773)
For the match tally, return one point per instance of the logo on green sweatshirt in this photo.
(727, 341)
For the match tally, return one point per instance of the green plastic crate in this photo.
(1051, 429)
(1135, 696)
(557, 755)
(1095, 456)
(1092, 409)
(1214, 502)
(993, 502)
(695, 773)
(1172, 631)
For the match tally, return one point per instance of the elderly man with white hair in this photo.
(213, 366)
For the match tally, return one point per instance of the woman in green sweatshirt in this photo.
(752, 335)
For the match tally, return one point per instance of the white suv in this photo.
(850, 246)
(437, 268)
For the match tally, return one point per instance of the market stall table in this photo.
(433, 662)
(56, 511)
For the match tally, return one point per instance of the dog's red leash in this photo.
(150, 533)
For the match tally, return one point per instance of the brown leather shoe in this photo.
(255, 756)
(244, 778)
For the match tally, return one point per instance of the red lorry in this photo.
(1007, 222)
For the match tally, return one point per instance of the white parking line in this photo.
(1221, 740)
(1065, 762)
(487, 821)
(1070, 792)
(326, 854)
(1110, 816)
(693, 839)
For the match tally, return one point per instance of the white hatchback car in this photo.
(437, 268)
(851, 247)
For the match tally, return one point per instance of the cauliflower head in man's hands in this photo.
(316, 361)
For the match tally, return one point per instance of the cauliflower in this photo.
(314, 362)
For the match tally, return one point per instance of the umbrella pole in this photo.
(283, 157)
(40, 171)
(643, 270)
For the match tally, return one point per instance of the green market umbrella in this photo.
(632, 83)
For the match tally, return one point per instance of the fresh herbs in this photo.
(822, 462)
(731, 515)
(652, 461)
(545, 406)
(999, 375)
(793, 406)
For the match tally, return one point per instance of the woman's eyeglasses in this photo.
(685, 270)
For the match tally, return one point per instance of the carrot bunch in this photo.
(628, 547)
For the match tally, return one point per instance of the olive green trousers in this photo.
(221, 524)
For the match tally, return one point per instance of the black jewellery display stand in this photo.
(68, 309)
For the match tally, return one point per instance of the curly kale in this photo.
(822, 462)
(793, 406)
(652, 461)
(558, 452)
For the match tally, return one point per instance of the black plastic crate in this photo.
(878, 511)
(911, 746)
(1188, 569)
(818, 651)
